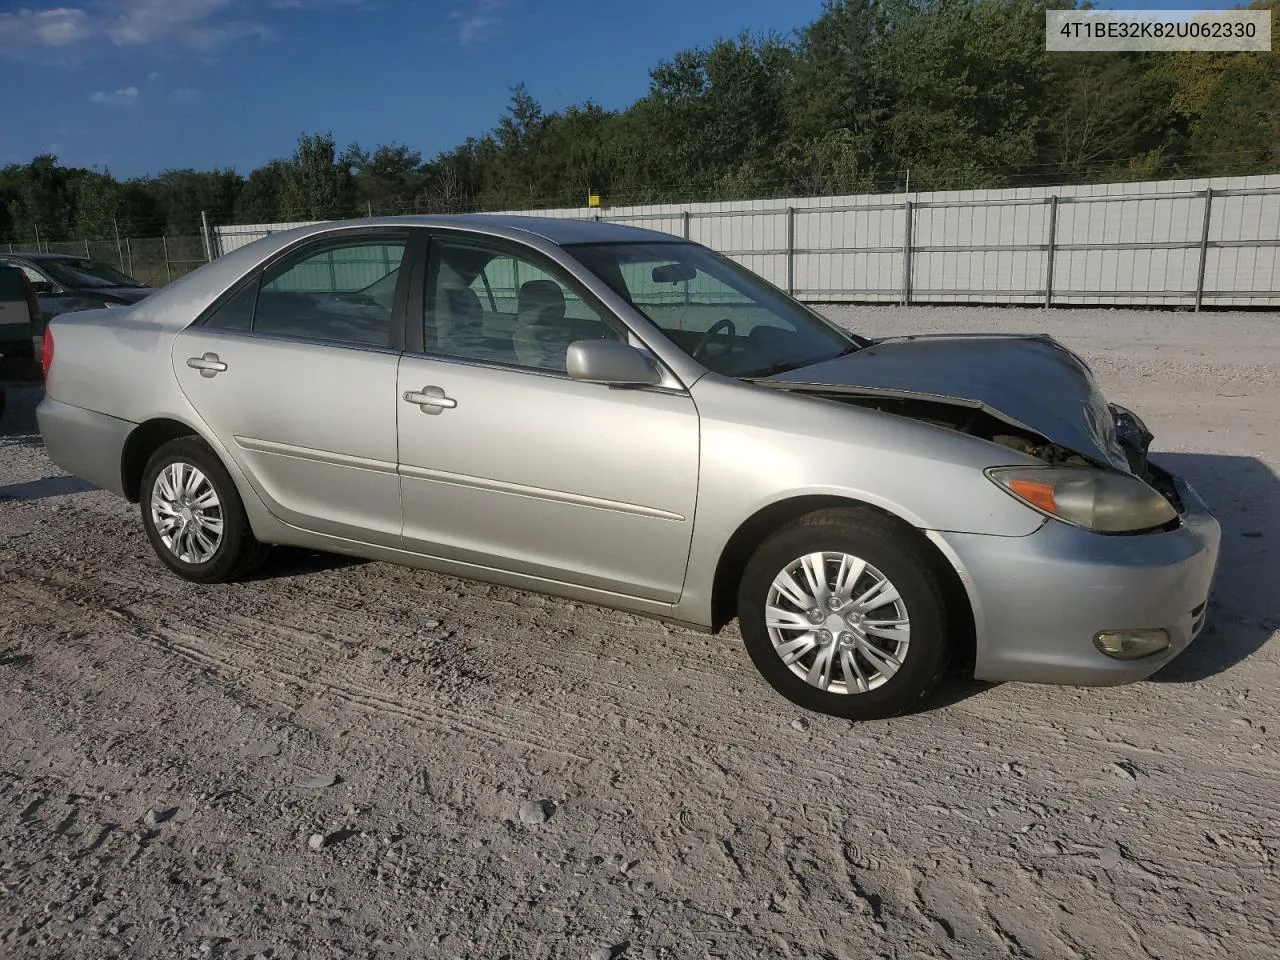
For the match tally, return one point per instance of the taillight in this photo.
(46, 352)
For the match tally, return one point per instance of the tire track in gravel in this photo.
(287, 653)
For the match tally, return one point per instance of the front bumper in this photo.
(1039, 600)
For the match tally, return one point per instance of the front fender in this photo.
(761, 448)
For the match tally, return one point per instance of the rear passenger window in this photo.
(236, 313)
(341, 293)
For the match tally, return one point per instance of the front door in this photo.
(295, 374)
(507, 462)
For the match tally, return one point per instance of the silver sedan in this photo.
(625, 418)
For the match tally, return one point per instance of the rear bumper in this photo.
(85, 444)
(1039, 600)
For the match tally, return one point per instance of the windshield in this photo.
(721, 314)
(86, 273)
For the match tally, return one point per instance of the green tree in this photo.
(259, 200)
(182, 196)
(97, 204)
(388, 180)
(316, 185)
(45, 200)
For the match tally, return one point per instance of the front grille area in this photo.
(1198, 618)
(1163, 481)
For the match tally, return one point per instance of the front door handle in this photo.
(430, 399)
(209, 365)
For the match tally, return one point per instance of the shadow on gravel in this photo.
(297, 562)
(14, 658)
(954, 688)
(18, 424)
(1244, 610)
(44, 488)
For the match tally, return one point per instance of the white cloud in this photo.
(124, 97)
(478, 20)
(152, 77)
(183, 95)
(192, 24)
(60, 27)
(319, 4)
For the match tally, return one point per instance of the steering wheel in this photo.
(705, 339)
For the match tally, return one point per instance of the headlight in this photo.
(1094, 499)
(111, 303)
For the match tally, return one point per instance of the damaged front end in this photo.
(1131, 435)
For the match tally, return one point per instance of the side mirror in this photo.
(611, 361)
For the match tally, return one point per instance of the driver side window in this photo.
(486, 303)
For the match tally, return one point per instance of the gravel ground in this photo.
(346, 759)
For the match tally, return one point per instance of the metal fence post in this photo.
(115, 226)
(791, 251)
(128, 249)
(167, 272)
(206, 237)
(87, 254)
(1050, 251)
(685, 217)
(1204, 246)
(908, 208)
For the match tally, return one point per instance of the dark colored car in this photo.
(18, 312)
(66, 283)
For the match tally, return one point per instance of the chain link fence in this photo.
(151, 260)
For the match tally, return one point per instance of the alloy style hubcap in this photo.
(187, 513)
(837, 622)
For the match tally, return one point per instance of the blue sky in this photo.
(147, 85)
(141, 86)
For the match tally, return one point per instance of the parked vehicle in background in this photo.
(19, 312)
(622, 417)
(65, 284)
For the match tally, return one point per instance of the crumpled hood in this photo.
(1030, 381)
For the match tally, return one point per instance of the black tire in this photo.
(898, 554)
(238, 553)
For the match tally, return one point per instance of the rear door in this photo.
(295, 373)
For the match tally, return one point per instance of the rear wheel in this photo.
(194, 517)
(842, 613)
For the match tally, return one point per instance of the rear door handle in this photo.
(431, 400)
(209, 365)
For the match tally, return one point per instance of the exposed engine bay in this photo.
(976, 420)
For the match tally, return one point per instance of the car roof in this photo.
(557, 230)
(175, 304)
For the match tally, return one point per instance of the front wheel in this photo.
(194, 517)
(842, 613)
